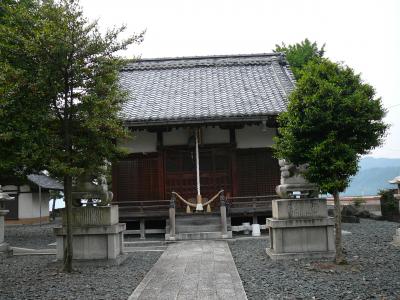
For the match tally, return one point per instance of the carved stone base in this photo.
(92, 242)
(300, 228)
(97, 236)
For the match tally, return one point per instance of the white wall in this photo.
(175, 137)
(215, 135)
(209, 135)
(9, 188)
(254, 137)
(142, 141)
(25, 206)
(247, 137)
(28, 205)
(25, 188)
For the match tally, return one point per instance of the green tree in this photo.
(22, 113)
(299, 54)
(72, 72)
(332, 119)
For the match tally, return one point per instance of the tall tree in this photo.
(299, 54)
(22, 112)
(332, 119)
(74, 87)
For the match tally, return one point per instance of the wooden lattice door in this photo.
(180, 171)
(257, 172)
(137, 178)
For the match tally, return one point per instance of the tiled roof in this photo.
(174, 90)
(45, 182)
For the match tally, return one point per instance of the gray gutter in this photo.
(197, 121)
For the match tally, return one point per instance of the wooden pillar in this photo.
(142, 229)
(234, 179)
(199, 206)
(255, 221)
(160, 165)
(114, 181)
(40, 205)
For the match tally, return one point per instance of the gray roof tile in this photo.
(205, 88)
(45, 182)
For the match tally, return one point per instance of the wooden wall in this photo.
(153, 176)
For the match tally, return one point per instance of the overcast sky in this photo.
(363, 34)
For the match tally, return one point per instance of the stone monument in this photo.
(97, 233)
(299, 228)
(292, 181)
(3, 197)
(396, 237)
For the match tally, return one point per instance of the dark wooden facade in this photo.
(153, 176)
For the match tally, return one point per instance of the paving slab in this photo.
(193, 270)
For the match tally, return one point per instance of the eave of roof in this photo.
(211, 89)
(45, 182)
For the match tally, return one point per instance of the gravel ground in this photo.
(30, 236)
(373, 270)
(39, 277)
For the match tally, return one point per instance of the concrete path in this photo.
(192, 270)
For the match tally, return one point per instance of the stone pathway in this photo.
(192, 270)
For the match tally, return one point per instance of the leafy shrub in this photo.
(358, 202)
(389, 205)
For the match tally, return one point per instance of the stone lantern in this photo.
(396, 180)
(3, 198)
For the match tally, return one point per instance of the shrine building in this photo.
(201, 125)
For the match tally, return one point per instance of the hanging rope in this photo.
(183, 200)
(194, 204)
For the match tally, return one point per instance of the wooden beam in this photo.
(161, 173)
(234, 173)
(160, 140)
(232, 136)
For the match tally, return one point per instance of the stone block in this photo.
(93, 215)
(97, 235)
(300, 228)
(299, 209)
(92, 243)
(297, 223)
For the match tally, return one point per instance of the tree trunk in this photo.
(338, 229)
(68, 252)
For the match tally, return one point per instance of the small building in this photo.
(31, 199)
(223, 106)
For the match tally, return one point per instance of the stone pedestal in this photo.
(97, 235)
(396, 238)
(300, 228)
(3, 245)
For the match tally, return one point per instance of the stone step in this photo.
(144, 243)
(196, 219)
(197, 228)
(16, 251)
(196, 223)
(215, 235)
(145, 249)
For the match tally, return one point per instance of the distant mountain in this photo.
(373, 176)
(369, 162)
